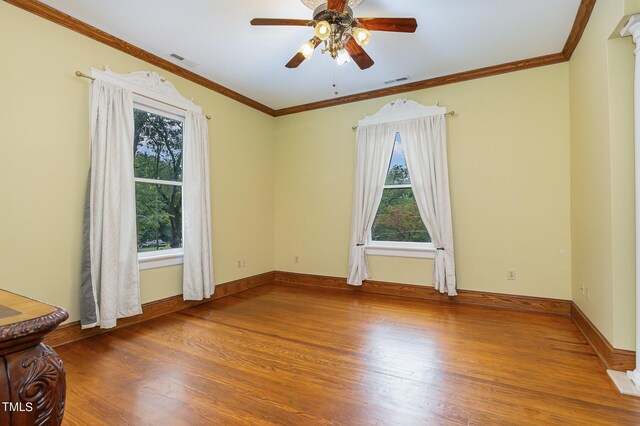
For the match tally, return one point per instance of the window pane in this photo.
(158, 216)
(398, 173)
(398, 218)
(157, 145)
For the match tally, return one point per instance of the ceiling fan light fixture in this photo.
(307, 50)
(361, 36)
(336, 28)
(323, 30)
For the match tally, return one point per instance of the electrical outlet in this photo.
(511, 275)
(296, 259)
(582, 288)
(244, 263)
(239, 263)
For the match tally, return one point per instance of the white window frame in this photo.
(175, 256)
(153, 91)
(399, 248)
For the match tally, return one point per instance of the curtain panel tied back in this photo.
(423, 133)
(374, 145)
(425, 147)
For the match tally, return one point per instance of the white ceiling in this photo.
(452, 36)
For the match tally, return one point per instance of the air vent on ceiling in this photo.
(183, 60)
(397, 80)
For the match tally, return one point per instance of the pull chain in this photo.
(335, 78)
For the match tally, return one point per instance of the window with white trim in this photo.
(398, 229)
(158, 142)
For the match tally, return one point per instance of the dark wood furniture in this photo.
(32, 377)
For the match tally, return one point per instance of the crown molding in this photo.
(60, 18)
(67, 21)
(524, 64)
(579, 25)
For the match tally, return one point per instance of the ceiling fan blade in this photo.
(298, 58)
(358, 54)
(337, 5)
(276, 21)
(398, 25)
(295, 62)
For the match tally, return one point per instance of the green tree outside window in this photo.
(398, 218)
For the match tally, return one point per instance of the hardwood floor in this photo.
(305, 356)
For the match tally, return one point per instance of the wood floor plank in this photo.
(492, 360)
(303, 356)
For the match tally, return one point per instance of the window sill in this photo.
(395, 251)
(153, 260)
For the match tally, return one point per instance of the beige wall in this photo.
(631, 7)
(591, 172)
(541, 167)
(621, 66)
(45, 152)
(509, 169)
(602, 191)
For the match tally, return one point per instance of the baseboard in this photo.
(464, 297)
(72, 332)
(612, 358)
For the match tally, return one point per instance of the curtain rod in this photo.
(447, 114)
(83, 75)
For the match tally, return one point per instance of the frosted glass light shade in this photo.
(343, 57)
(361, 36)
(307, 50)
(323, 30)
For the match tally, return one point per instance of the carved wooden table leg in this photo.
(32, 377)
(37, 385)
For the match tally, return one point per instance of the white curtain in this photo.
(197, 241)
(425, 146)
(114, 277)
(374, 145)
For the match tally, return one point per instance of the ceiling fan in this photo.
(343, 35)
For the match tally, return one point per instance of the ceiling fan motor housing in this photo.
(313, 4)
(323, 10)
(341, 24)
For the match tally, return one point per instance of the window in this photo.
(398, 229)
(157, 151)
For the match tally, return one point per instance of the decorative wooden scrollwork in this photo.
(39, 325)
(44, 386)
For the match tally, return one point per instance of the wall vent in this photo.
(183, 61)
(397, 80)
